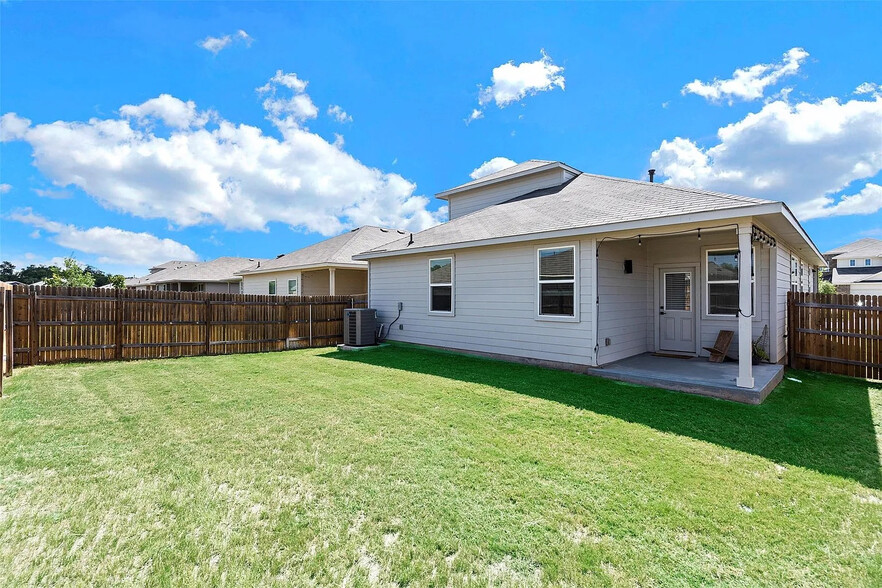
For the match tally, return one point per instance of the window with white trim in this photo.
(272, 287)
(557, 281)
(721, 269)
(441, 285)
(292, 287)
(866, 262)
(852, 262)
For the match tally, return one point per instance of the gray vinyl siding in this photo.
(782, 287)
(315, 283)
(495, 298)
(478, 198)
(259, 283)
(624, 312)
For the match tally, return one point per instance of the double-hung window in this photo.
(866, 262)
(557, 281)
(722, 282)
(441, 285)
(852, 262)
(292, 287)
(272, 287)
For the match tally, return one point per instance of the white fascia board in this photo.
(788, 214)
(695, 217)
(305, 267)
(536, 170)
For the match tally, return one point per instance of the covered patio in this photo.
(695, 375)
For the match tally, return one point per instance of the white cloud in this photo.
(491, 167)
(336, 112)
(53, 194)
(748, 83)
(224, 173)
(218, 44)
(109, 244)
(4, 188)
(172, 111)
(868, 88)
(298, 107)
(512, 83)
(803, 154)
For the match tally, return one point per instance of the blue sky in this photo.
(218, 167)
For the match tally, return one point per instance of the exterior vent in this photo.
(359, 327)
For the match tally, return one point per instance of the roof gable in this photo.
(529, 167)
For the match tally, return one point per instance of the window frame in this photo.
(852, 262)
(451, 284)
(868, 261)
(271, 288)
(296, 286)
(575, 317)
(707, 281)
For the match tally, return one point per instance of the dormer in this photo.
(506, 184)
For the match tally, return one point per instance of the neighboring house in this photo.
(543, 262)
(217, 275)
(856, 268)
(323, 269)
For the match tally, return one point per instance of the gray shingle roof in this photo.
(586, 201)
(222, 269)
(862, 248)
(334, 251)
(526, 166)
(853, 275)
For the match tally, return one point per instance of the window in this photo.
(441, 285)
(292, 287)
(272, 287)
(557, 281)
(852, 262)
(866, 262)
(722, 282)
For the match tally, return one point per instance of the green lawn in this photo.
(406, 466)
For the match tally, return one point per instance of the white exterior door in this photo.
(676, 321)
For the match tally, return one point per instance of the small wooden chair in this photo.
(721, 348)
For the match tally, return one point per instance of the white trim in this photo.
(732, 214)
(575, 317)
(451, 284)
(528, 172)
(304, 267)
(657, 269)
(755, 312)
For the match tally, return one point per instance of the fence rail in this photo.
(835, 333)
(59, 324)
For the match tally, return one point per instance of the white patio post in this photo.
(745, 332)
(332, 281)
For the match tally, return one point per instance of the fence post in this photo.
(33, 331)
(207, 327)
(286, 323)
(310, 324)
(10, 335)
(120, 302)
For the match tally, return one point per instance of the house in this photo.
(323, 269)
(217, 275)
(543, 263)
(856, 268)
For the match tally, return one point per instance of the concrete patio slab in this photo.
(693, 375)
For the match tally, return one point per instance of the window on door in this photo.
(678, 291)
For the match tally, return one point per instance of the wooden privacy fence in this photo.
(835, 333)
(59, 324)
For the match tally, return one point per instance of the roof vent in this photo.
(280, 255)
(652, 175)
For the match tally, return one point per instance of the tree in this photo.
(71, 275)
(825, 287)
(7, 271)
(34, 273)
(118, 281)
